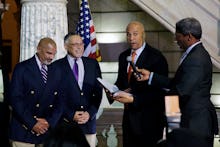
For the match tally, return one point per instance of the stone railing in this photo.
(109, 130)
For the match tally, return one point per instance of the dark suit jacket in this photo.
(192, 82)
(145, 116)
(30, 97)
(89, 96)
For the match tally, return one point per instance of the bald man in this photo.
(35, 97)
(143, 119)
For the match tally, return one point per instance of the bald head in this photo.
(135, 34)
(46, 50)
(44, 42)
(137, 24)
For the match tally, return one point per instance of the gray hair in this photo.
(188, 26)
(67, 36)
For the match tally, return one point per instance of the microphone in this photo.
(133, 66)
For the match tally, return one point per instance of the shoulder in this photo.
(89, 60)
(60, 61)
(25, 63)
(200, 56)
(200, 50)
(155, 55)
(90, 63)
(124, 54)
(153, 51)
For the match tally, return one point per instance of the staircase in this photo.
(168, 12)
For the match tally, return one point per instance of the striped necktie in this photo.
(44, 72)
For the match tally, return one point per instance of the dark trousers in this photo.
(4, 124)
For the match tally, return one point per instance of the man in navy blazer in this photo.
(36, 103)
(82, 93)
(192, 82)
(143, 119)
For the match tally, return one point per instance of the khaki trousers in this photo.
(91, 138)
(23, 144)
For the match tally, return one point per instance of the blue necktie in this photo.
(75, 69)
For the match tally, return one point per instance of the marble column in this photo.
(42, 18)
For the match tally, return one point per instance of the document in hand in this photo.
(173, 113)
(172, 105)
(109, 86)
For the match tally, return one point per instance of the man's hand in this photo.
(123, 97)
(41, 126)
(145, 74)
(81, 117)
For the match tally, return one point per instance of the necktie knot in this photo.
(44, 72)
(133, 54)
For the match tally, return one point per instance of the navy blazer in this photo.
(146, 114)
(89, 97)
(31, 98)
(192, 82)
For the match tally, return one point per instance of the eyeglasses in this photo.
(76, 44)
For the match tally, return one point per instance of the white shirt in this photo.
(39, 62)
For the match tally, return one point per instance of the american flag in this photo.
(85, 28)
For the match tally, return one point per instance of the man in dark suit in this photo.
(143, 119)
(192, 81)
(82, 92)
(34, 97)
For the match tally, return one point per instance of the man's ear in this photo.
(65, 46)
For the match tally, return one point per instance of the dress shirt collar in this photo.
(192, 46)
(71, 60)
(187, 51)
(39, 62)
(138, 51)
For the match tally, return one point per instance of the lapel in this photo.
(35, 71)
(51, 76)
(179, 71)
(188, 56)
(144, 56)
(86, 69)
(69, 73)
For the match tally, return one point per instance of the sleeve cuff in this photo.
(150, 78)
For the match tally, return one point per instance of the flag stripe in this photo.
(85, 28)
